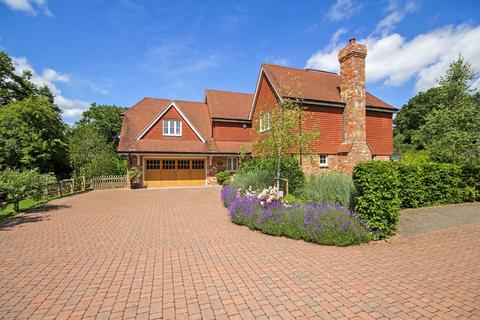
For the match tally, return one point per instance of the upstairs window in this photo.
(232, 164)
(323, 160)
(265, 121)
(172, 128)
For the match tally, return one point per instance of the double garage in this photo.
(170, 172)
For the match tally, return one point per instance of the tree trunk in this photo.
(278, 169)
(16, 205)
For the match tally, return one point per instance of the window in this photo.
(168, 164)
(198, 164)
(183, 164)
(265, 121)
(323, 160)
(172, 128)
(232, 164)
(153, 164)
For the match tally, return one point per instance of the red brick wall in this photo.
(229, 131)
(380, 132)
(156, 132)
(328, 121)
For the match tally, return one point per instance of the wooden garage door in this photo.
(174, 172)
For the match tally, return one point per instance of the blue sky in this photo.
(117, 52)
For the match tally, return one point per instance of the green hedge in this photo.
(383, 188)
(470, 176)
(377, 199)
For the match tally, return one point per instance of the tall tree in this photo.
(91, 154)
(16, 87)
(281, 131)
(105, 119)
(412, 116)
(32, 136)
(451, 133)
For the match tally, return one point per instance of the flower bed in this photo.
(319, 223)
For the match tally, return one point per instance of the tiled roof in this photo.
(311, 84)
(228, 105)
(137, 118)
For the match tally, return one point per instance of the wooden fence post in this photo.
(60, 189)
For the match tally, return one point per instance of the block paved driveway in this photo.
(173, 254)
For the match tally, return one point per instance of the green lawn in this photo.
(24, 206)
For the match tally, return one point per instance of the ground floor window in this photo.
(323, 160)
(232, 164)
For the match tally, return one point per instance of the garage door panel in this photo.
(174, 172)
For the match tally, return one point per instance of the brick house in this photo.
(185, 143)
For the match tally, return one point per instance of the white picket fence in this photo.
(108, 182)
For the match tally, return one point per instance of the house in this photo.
(185, 143)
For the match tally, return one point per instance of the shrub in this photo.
(470, 174)
(258, 179)
(228, 194)
(333, 225)
(333, 187)
(291, 199)
(377, 184)
(290, 170)
(442, 183)
(134, 175)
(19, 185)
(322, 224)
(223, 177)
(244, 210)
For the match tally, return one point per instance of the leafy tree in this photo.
(14, 87)
(105, 119)
(412, 116)
(92, 155)
(451, 132)
(32, 136)
(19, 185)
(285, 135)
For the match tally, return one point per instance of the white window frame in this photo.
(266, 121)
(172, 126)
(230, 161)
(325, 164)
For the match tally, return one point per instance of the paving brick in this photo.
(172, 253)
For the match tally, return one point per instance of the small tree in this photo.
(451, 132)
(19, 185)
(286, 133)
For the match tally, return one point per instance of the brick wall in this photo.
(229, 131)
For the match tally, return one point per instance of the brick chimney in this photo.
(353, 94)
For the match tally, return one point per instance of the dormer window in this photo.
(172, 128)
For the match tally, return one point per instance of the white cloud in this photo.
(394, 60)
(29, 6)
(343, 9)
(395, 15)
(72, 108)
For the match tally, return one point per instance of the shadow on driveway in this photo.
(415, 221)
(32, 215)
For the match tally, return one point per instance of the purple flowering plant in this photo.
(328, 224)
